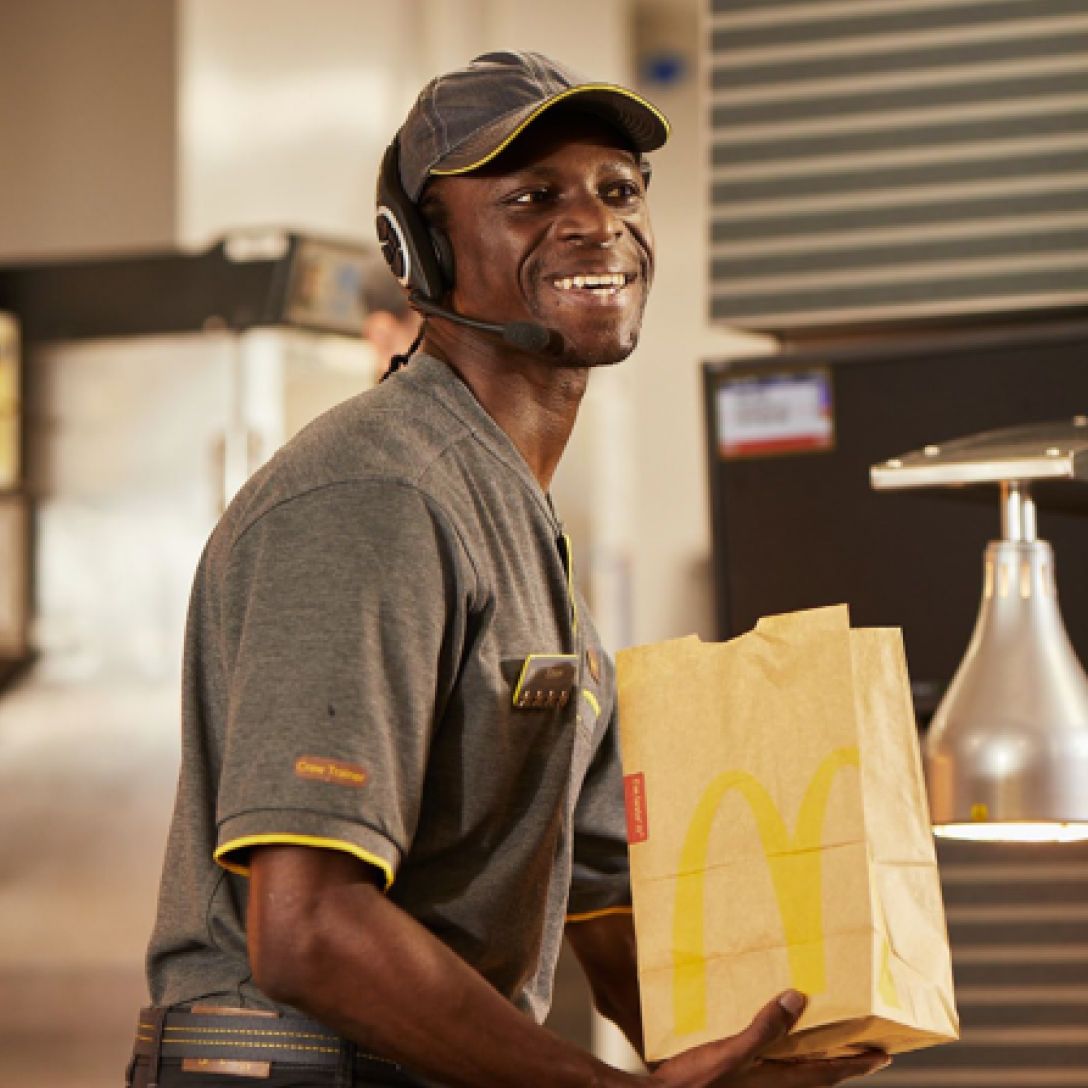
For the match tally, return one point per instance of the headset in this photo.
(419, 255)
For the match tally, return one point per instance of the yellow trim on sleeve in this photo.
(282, 839)
(589, 915)
(495, 151)
(592, 700)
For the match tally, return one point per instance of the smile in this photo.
(605, 283)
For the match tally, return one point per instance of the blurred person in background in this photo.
(400, 782)
(391, 325)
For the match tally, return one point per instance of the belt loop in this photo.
(345, 1067)
(158, 1024)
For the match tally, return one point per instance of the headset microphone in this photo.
(525, 335)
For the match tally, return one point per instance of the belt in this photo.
(247, 1041)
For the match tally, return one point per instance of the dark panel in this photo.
(801, 531)
(309, 282)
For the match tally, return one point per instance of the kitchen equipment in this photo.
(1006, 755)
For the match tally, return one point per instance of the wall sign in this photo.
(778, 413)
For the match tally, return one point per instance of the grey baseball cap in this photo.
(463, 119)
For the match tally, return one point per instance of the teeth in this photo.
(609, 280)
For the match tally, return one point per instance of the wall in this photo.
(284, 109)
(86, 125)
(663, 546)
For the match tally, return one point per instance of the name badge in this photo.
(546, 681)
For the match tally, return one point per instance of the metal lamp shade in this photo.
(1006, 756)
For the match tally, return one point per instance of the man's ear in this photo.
(444, 254)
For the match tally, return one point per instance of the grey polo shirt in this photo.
(358, 625)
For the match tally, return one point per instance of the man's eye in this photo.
(530, 196)
(623, 192)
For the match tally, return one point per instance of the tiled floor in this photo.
(86, 787)
(86, 784)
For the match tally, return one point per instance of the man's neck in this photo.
(533, 401)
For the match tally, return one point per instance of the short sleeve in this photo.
(342, 619)
(600, 879)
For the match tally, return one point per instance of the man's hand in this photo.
(605, 946)
(736, 1062)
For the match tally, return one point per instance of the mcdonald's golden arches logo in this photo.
(795, 866)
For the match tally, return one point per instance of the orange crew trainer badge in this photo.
(334, 771)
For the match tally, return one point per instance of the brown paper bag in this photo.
(779, 837)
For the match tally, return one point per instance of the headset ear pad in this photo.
(417, 255)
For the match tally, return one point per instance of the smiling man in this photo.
(400, 780)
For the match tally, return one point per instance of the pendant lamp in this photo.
(1006, 754)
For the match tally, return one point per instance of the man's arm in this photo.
(324, 939)
(605, 947)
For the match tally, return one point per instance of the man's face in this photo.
(555, 231)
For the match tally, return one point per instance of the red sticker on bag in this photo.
(634, 797)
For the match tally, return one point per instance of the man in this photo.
(399, 746)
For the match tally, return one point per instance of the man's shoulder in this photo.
(395, 436)
(397, 431)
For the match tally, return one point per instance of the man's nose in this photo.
(587, 218)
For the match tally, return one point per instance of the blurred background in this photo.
(870, 220)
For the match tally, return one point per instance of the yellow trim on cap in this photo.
(494, 152)
(589, 915)
(276, 838)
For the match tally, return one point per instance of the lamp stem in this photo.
(1017, 512)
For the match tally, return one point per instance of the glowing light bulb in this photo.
(1033, 831)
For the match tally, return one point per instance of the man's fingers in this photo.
(711, 1063)
(815, 1073)
(794, 1002)
(771, 1023)
(738, 1062)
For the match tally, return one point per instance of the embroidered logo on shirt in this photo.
(334, 771)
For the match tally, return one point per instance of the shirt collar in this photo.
(442, 382)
